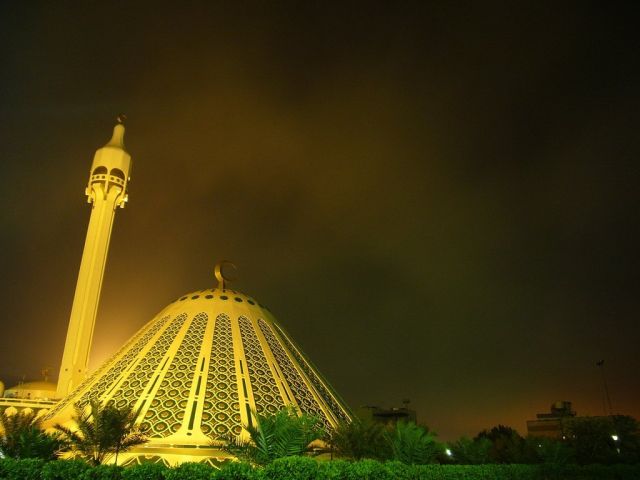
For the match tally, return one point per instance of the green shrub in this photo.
(368, 470)
(626, 471)
(291, 468)
(464, 472)
(401, 471)
(25, 469)
(599, 472)
(554, 471)
(333, 470)
(519, 472)
(433, 472)
(304, 468)
(235, 471)
(145, 471)
(190, 471)
(103, 472)
(64, 469)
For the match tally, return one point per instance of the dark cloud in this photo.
(437, 201)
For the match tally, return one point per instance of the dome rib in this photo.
(134, 346)
(173, 381)
(146, 352)
(321, 385)
(305, 396)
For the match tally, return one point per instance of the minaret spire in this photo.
(106, 190)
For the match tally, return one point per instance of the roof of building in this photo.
(38, 385)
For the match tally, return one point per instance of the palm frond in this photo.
(284, 433)
(102, 431)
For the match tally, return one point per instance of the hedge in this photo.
(304, 468)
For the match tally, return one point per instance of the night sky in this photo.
(439, 202)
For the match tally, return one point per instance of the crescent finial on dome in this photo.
(222, 279)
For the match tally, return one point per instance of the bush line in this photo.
(304, 468)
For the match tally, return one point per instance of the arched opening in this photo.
(116, 172)
(99, 171)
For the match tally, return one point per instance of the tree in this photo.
(606, 440)
(21, 436)
(591, 438)
(413, 444)
(507, 446)
(360, 439)
(102, 431)
(627, 430)
(549, 450)
(282, 434)
(466, 451)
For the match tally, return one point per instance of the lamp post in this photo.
(606, 398)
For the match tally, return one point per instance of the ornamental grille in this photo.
(221, 412)
(319, 385)
(303, 395)
(131, 389)
(123, 369)
(136, 344)
(265, 390)
(166, 418)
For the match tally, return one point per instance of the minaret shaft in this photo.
(75, 359)
(106, 191)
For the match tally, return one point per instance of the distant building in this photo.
(389, 415)
(551, 424)
(31, 396)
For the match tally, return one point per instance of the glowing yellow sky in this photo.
(437, 203)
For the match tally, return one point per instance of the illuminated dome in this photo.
(32, 390)
(198, 370)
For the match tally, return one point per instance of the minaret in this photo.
(107, 189)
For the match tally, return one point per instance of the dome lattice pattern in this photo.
(201, 369)
(221, 413)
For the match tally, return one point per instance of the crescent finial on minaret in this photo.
(117, 139)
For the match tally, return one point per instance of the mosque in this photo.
(199, 370)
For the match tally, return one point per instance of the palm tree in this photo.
(414, 444)
(102, 431)
(282, 434)
(21, 436)
(360, 438)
